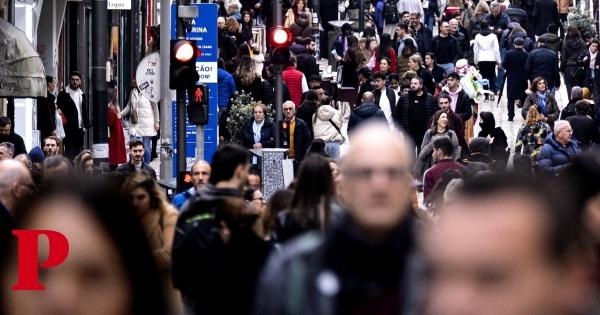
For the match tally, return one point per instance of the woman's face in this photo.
(394, 84)
(91, 280)
(384, 66)
(246, 18)
(300, 5)
(258, 201)
(89, 167)
(259, 114)
(541, 86)
(594, 48)
(428, 60)
(140, 199)
(443, 120)
(335, 170)
(413, 65)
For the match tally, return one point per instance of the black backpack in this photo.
(390, 12)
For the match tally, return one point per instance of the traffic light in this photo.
(183, 72)
(197, 108)
(184, 181)
(280, 42)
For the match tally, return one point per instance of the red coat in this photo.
(117, 152)
(293, 79)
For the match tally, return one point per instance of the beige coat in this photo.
(289, 17)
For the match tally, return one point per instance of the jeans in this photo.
(501, 72)
(147, 147)
(333, 149)
(448, 67)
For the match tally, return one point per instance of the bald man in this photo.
(200, 176)
(359, 265)
(15, 185)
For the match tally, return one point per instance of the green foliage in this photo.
(584, 22)
(239, 114)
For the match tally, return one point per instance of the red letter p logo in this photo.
(58, 248)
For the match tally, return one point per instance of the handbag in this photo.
(63, 118)
(578, 73)
(338, 130)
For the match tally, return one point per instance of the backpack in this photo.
(390, 13)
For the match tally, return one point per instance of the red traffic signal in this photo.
(280, 41)
(183, 72)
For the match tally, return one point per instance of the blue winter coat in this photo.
(365, 112)
(225, 87)
(543, 62)
(516, 78)
(554, 157)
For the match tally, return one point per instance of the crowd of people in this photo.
(352, 233)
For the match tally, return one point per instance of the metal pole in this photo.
(166, 117)
(181, 93)
(277, 102)
(361, 15)
(99, 86)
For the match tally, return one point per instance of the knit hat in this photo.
(37, 155)
(480, 144)
(519, 42)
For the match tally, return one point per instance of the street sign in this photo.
(118, 4)
(204, 31)
(147, 76)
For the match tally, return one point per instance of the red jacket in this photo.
(434, 174)
(293, 79)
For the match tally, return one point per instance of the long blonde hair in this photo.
(533, 116)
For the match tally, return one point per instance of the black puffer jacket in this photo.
(266, 92)
(415, 126)
(571, 49)
(365, 112)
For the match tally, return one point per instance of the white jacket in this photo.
(486, 48)
(147, 113)
(322, 128)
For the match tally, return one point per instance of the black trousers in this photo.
(73, 143)
(488, 71)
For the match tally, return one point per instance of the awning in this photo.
(21, 68)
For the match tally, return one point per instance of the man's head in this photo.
(136, 150)
(444, 28)
(582, 107)
(453, 25)
(401, 30)
(594, 45)
(293, 62)
(458, 17)
(453, 81)
(229, 167)
(50, 83)
(442, 148)
(405, 17)
(254, 180)
(368, 97)
(314, 80)
(507, 244)
(74, 80)
(50, 145)
(5, 125)
(394, 81)
(552, 28)
(541, 41)
(376, 184)
(576, 93)
(7, 150)
(15, 183)
(289, 110)
(379, 80)
(309, 44)
(416, 84)
(444, 101)
(200, 173)
(495, 8)
(415, 18)
(57, 166)
(563, 132)
(364, 74)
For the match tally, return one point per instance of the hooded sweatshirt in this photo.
(323, 128)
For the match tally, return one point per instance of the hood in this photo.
(575, 43)
(551, 38)
(325, 112)
(210, 193)
(445, 89)
(366, 110)
(302, 22)
(297, 49)
(221, 74)
(488, 123)
(485, 32)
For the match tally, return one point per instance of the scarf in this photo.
(542, 100)
(256, 127)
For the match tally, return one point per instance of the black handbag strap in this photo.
(335, 126)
